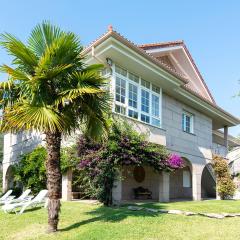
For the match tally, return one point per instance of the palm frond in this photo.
(14, 73)
(7, 85)
(23, 116)
(82, 83)
(53, 46)
(94, 67)
(94, 113)
(91, 78)
(42, 37)
(16, 48)
(50, 73)
(74, 93)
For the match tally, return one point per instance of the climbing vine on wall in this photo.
(124, 146)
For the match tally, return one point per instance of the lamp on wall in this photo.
(109, 61)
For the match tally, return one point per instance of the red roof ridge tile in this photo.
(97, 39)
(159, 44)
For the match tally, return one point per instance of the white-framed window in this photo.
(120, 90)
(186, 179)
(136, 97)
(187, 122)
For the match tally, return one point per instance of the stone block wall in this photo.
(151, 182)
(196, 147)
(176, 186)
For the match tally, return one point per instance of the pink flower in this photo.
(175, 161)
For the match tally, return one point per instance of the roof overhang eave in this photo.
(135, 48)
(218, 115)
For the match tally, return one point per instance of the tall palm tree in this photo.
(51, 90)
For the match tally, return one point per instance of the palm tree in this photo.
(51, 90)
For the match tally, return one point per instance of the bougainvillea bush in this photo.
(124, 146)
(225, 185)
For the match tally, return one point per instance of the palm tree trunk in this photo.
(53, 144)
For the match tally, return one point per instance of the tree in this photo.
(30, 170)
(225, 185)
(51, 90)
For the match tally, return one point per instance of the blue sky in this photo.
(210, 29)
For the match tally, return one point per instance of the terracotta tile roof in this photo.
(179, 43)
(189, 88)
(139, 50)
(161, 44)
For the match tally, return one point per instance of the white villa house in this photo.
(160, 90)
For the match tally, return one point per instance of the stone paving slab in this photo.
(185, 213)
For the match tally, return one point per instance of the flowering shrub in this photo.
(175, 161)
(125, 146)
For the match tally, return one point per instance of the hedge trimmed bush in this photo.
(225, 185)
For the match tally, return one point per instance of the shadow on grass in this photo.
(33, 209)
(115, 214)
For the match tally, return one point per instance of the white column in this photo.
(226, 138)
(7, 150)
(196, 181)
(117, 189)
(217, 195)
(4, 178)
(67, 186)
(164, 183)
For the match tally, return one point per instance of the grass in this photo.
(92, 222)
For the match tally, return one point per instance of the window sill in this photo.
(138, 121)
(193, 134)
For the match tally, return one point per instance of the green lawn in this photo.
(88, 222)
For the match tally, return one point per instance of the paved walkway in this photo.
(185, 213)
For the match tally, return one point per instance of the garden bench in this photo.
(142, 193)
